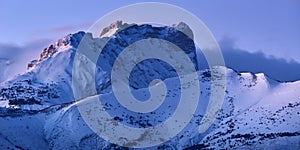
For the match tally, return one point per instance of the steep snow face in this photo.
(252, 88)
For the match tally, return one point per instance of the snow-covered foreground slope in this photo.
(255, 114)
(38, 110)
(264, 115)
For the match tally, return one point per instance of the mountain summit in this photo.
(113, 28)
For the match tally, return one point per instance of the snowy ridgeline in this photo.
(38, 109)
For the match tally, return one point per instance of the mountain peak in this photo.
(113, 28)
(183, 27)
(71, 40)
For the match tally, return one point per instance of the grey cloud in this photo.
(244, 61)
(9, 50)
(63, 30)
(14, 58)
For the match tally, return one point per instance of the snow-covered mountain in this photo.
(38, 110)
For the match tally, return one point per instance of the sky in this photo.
(268, 27)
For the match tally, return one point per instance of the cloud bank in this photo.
(258, 62)
(14, 58)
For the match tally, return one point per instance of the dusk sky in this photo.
(270, 27)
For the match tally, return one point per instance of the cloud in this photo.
(14, 58)
(27, 51)
(244, 61)
(8, 50)
(63, 30)
(70, 28)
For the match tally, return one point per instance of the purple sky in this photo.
(271, 27)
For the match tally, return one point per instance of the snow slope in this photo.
(266, 121)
